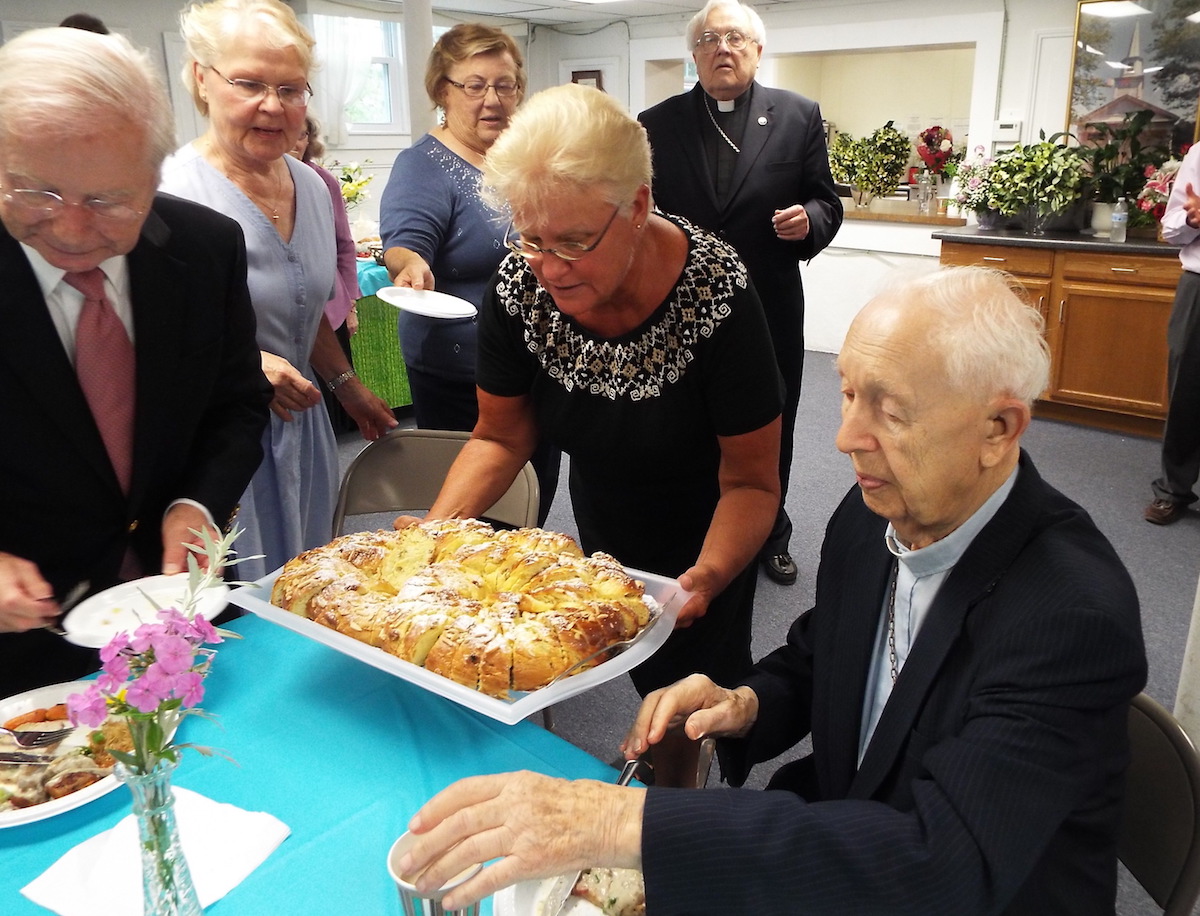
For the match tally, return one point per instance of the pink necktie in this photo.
(104, 363)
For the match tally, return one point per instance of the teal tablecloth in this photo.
(371, 277)
(343, 753)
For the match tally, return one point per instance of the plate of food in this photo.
(96, 620)
(505, 623)
(599, 892)
(427, 302)
(78, 774)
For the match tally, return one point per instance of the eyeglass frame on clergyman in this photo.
(709, 42)
(256, 90)
(513, 242)
(50, 204)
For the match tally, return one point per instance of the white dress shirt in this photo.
(1174, 221)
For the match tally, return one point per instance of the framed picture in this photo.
(593, 78)
(1137, 56)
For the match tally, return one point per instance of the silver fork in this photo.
(38, 738)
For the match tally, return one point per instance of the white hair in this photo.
(696, 26)
(65, 80)
(992, 343)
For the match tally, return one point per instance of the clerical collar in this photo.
(731, 104)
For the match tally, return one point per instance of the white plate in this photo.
(427, 302)
(92, 623)
(667, 592)
(33, 699)
(528, 898)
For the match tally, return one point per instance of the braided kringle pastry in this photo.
(496, 611)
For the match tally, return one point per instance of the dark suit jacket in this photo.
(783, 161)
(993, 781)
(201, 408)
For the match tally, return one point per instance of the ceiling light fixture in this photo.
(1114, 9)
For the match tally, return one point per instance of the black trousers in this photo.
(1181, 436)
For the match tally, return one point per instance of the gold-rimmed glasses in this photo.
(567, 251)
(255, 90)
(40, 204)
(708, 42)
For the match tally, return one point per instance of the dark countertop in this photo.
(1061, 240)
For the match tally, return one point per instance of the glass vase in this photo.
(862, 197)
(1034, 220)
(167, 888)
(988, 219)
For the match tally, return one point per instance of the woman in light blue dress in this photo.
(248, 73)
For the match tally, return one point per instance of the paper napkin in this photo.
(222, 843)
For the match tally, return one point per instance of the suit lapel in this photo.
(31, 346)
(155, 284)
(978, 571)
(857, 624)
(759, 125)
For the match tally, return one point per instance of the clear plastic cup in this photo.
(429, 904)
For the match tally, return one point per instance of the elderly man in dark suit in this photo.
(964, 675)
(750, 164)
(132, 394)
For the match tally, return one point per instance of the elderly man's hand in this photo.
(698, 706)
(791, 224)
(26, 599)
(177, 528)
(535, 826)
(366, 408)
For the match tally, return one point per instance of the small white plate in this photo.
(35, 699)
(92, 623)
(529, 898)
(427, 302)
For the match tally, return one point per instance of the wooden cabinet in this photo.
(1106, 315)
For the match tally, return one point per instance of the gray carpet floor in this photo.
(1107, 473)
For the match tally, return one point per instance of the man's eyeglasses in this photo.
(477, 89)
(708, 42)
(47, 204)
(254, 90)
(567, 251)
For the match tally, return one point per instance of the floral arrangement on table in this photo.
(152, 679)
(975, 182)
(353, 181)
(1153, 197)
(1036, 181)
(935, 146)
(872, 165)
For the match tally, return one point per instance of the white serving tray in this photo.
(255, 598)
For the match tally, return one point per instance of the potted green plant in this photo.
(872, 165)
(1036, 181)
(1118, 162)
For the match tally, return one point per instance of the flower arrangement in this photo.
(155, 677)
(1153, 197)
(1037, 180)
(872, 165)
(975, 182)
(353, 181)
(935, 146)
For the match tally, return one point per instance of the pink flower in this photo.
(154, 686)
(204, 631)
(172, 654)
(88, 708)
(189, 688)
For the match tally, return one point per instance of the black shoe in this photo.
(781, 567)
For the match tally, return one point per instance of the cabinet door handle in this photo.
(997, 260)
(1062, 304)
(1041, 304)
(1123, 270)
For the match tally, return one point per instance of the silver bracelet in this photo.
(338, 380)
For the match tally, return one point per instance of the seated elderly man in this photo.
(964, 675)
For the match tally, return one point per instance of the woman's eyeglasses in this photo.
(477, 89)
(567, 251)
(254, 90)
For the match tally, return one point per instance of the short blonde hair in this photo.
(61, 80)
(992, 343)
(568, 138)
(206, 27)
(462, 43)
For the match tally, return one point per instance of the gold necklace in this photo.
(265, 206)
